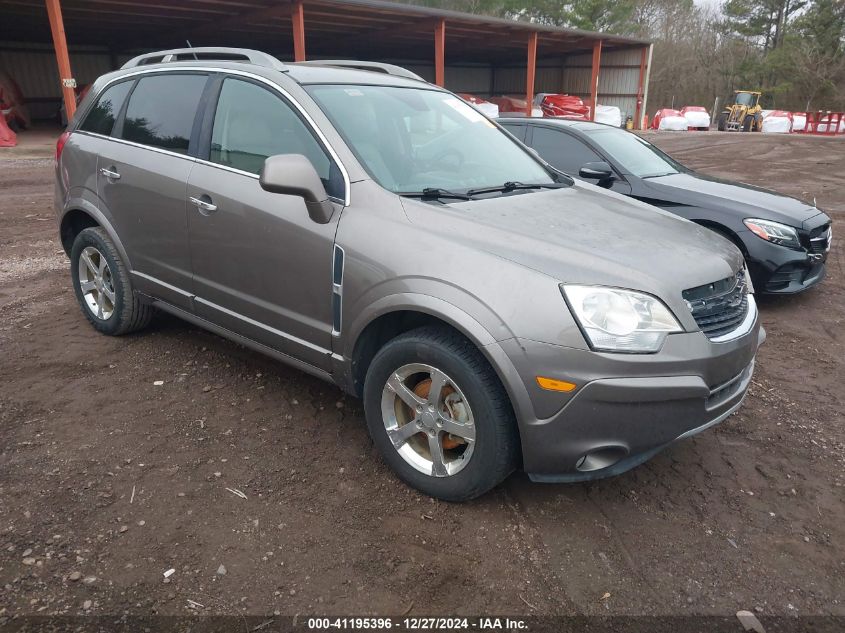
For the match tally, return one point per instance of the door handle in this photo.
(110, 173)
(203, 205)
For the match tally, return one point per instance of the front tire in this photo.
(722, 122)
(439, 415)
(103, 287)
(748, 123)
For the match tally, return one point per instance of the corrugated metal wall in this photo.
(37, 74)
(619, 77)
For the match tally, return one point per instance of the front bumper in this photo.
(627, 407)
(777, 270)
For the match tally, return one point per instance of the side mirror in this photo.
(598, 170)
(294, 175)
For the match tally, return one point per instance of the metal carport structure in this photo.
(463, 52)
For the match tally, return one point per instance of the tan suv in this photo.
(378, 232)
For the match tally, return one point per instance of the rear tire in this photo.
(103, 287)
(722, 122)
(412, 442)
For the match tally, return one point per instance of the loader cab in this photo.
(747, 99)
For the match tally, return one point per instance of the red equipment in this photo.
(565, 106)
(509, 104)
(825, 123)
(12, 102)
(472, 98)
(7, 137)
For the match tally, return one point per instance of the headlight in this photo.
(774, 232)
(615, 320)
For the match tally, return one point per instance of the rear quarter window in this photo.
(162, 109)
(100, 119)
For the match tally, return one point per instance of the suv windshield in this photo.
(412, 139)
(636, 156)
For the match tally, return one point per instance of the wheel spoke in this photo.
(403, 433)
(103, 264)
(109, 294)
(453, 427)
(100, 299)
(87, 286)
(438, 464)
(89, 263)
(438, 380)
(405, 395)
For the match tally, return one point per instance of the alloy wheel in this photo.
(428, 419)
(96, 283)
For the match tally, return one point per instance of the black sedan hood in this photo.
(698, 190)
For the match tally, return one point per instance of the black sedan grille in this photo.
(820, 243)
(720, 307)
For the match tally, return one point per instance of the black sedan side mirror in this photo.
(598, 170)
(293, 174)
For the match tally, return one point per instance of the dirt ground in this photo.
(108, 480)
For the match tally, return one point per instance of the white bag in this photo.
(773, 124)
(673, 123)
(609, 115)
(696, 118)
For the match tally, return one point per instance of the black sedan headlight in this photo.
(774, 232)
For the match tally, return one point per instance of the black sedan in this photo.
(785, 241)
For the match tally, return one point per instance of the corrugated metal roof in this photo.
(371, 29)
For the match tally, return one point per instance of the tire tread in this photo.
(134, 314)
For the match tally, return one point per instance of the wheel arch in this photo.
(396, 314)
(80, 214)
(725, 232)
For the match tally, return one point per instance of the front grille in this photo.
(820, 243)
(719, 307)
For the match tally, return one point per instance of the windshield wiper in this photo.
(434, 193)
(668, 173)
(513, 186)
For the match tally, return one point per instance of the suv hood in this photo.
(698, 190)
(584, 234)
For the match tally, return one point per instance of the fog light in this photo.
(600, 458)
(552, 384)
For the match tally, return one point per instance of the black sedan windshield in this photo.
(636, 156)
(411, 139)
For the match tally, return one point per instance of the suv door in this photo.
(142, 178)
(262, 267)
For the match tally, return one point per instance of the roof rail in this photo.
(378, 67)
(207, 53)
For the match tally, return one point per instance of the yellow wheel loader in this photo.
(744, 114)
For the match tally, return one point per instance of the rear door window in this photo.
(563, 151)
(252, 123)
(517, 130)
(102, 116)
(162, 109)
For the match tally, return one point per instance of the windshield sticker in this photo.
(468, 112)
(353, 92)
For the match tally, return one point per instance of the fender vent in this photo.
(337, 289)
